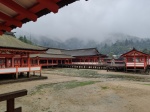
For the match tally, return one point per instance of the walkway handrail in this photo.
(10, 98)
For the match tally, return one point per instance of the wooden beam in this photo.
(36, 8)
(11, 95)
(10, 20)
(19, 9)
(50, 4)
(6, 28)
(56, 1)
(1, 32)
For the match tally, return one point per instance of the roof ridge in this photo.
(80, 49)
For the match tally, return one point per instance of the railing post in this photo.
(16, 72)
(40, 71)
(11, 105)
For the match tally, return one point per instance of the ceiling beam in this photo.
(19, 9)
(10, 20)
(50, 4)
(1, 32)
(56, 1)
(6, 28)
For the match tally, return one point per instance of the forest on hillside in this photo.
(113, 46)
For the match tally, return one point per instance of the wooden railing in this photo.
(19, 69)
(10, 99)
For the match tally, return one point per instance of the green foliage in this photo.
(147, 84)
(79, 72)
(120, 47)
(146, 51)
(25, 40)
(105, 87)
(61, 85)
(72, 84)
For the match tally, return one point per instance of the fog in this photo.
(93, 19)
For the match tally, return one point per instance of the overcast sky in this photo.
(92, 19)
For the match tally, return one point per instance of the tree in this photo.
(21, 38)
(25, 40)
(146, 51)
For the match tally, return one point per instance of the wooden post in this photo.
(52, 62)
(21, 61)
(16, 72)
(145, 63)
(28, 73)
(47, 63)
(12, 62)
(40, 71)
(134, 63)
(6, 63)
(38, 61)
(71, 61)
(11, 105)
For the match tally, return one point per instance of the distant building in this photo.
(15, 56)
(136, 60)
(86, 56)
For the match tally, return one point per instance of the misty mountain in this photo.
(48, 42)
(113, 37)
(122, 46)
(116, 43)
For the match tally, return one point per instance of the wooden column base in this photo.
(28, 74)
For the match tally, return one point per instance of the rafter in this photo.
(17, 8)
(50, 4)
(1, 32)
(10, 20)
(6, 28)
(56, 1)
(24, 15)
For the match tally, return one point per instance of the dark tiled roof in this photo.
(82, 52)
(7, 41)
(54, 51)
(50, 56)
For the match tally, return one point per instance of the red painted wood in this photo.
(36, 8)
(12, 62)
(17, 8)
(6, 28)
(10, 20)
(56, 1)
(50, 4)
(145, 63)
(1, 32)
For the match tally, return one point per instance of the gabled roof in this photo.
(54, 51)
(13, 13)
(134, 52)
(82, 52)
(10, 42)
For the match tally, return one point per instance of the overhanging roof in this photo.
(54, 51)
(10, 42)
(54, 56)
(13, 13)
(82, 52)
